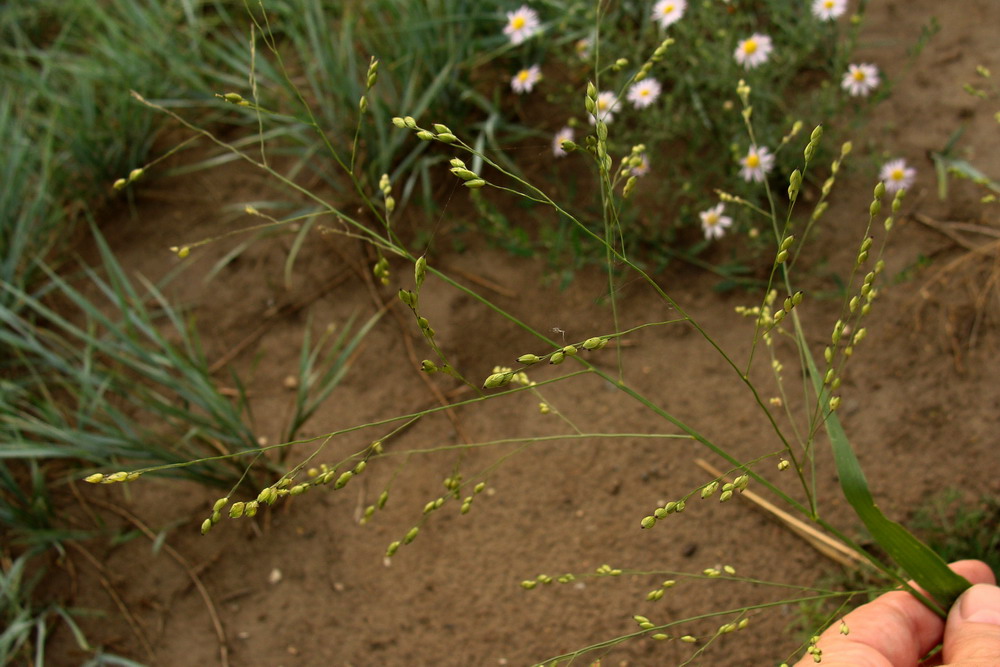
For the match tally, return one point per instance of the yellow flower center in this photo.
(897, 174)
(668, 9)
(753, 160)
(523, 75)
(828, 4)
(602, 105)
(750, 46)
(712, 219)
(517, 22)
(858, 75)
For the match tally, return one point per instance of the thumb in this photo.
(972, 632)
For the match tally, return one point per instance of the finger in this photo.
(894, 629)
(972, 633)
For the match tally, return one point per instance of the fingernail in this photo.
(980, 604)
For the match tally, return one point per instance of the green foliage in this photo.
(957, 528)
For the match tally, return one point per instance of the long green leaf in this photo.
(918, 560)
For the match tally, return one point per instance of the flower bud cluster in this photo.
(657, 56)
(381, 270)
(113, 478)
(133, 176)
(672, 507)
(386, 187)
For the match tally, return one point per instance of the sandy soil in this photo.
(306, 584)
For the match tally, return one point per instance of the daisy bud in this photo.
(475, 183)
(236, 511)
(420, 270)
(411, 535)
(879, 190)
(498, 380)
(629, 187)
(399, 122)
(809, 151)
(343, 480)
(96, 478)
(464, 173)
(897, 201)
(794, 184)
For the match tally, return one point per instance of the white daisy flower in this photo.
(668, 12)
(606, 102)
(643, 93)
(583, 48)
(754, 50)
(757, 163)
(828, 10)
(714, 223)
(522, 24)
(526, 79)
(565, 134)
(860, 79)
(896, 175)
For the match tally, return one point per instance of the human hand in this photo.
(896, 629)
